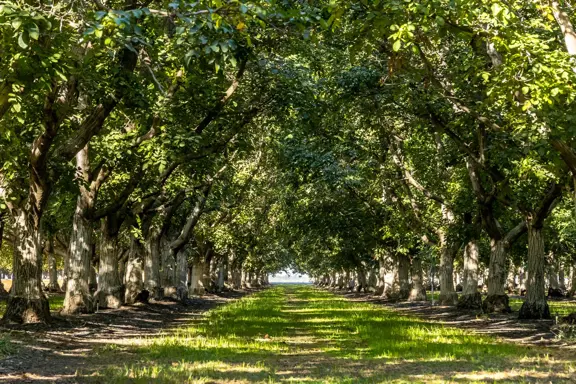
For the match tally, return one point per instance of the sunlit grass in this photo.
(296, 334)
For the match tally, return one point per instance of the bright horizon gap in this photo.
(289, 277)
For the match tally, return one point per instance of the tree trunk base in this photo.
(470, 301)
(496, 303)
(448, 298)
(535, 311)
(77, 304)
(112, 298)
(556, 293)
(25, 311)
(417, 294)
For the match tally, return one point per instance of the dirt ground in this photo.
(55, 352)
(505, 326)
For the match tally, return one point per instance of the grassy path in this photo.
(298, 334)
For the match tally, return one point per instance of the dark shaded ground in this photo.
(55, 352)
(502, 325)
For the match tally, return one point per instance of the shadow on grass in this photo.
(300, 334)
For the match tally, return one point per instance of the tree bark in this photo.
(448, 295)
(27, 303)
(110, 292)
(196, 285)
(134, 273)
(52, 270)
(471, 298)
(497, 299)
(78, 298)
(152, 265)
(535, 305)
(418, 292)
(182, 276)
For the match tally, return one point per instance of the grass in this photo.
(298, 334)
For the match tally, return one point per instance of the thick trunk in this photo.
(168, 270)
(496, 300)
(535, 305)
(196, 285)
(78, 297)
(448, 295)
(110, 293)
(182, 276)
(221, 275)
(152, 265)
(236, 278)
(561, 277)
(418, 292)
(134, 275)
(362, 283)
(470, 298)
(27, 303)
(403, 277)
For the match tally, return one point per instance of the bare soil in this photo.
(50, 353)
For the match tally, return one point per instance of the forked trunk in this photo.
(535, 305)
(471, 298)
(78, 298)
(497, 299)
(110, 293)
(27, 303)
(418, 292)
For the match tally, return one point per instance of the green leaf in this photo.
(496, 9)
(34, 32)
(23, 40)
(397, 45)
(243, 8)
(16, 23)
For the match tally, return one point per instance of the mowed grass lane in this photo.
(299, 334)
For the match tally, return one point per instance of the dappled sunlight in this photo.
(297, 334)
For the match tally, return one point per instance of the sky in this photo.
(284, 277)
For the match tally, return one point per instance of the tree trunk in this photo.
(362, 283)
(52, 271)
(535, 305)
(152, 265)
(27, 303)
(196, 285)
(471, 298)
(182, 276)
(78, 298)
(110, 293)
(497, 299)
(418, 292)
(573, 281)
(381, 286)
(448, 295)
(134, 274)
(168, 270)
(221, 274)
